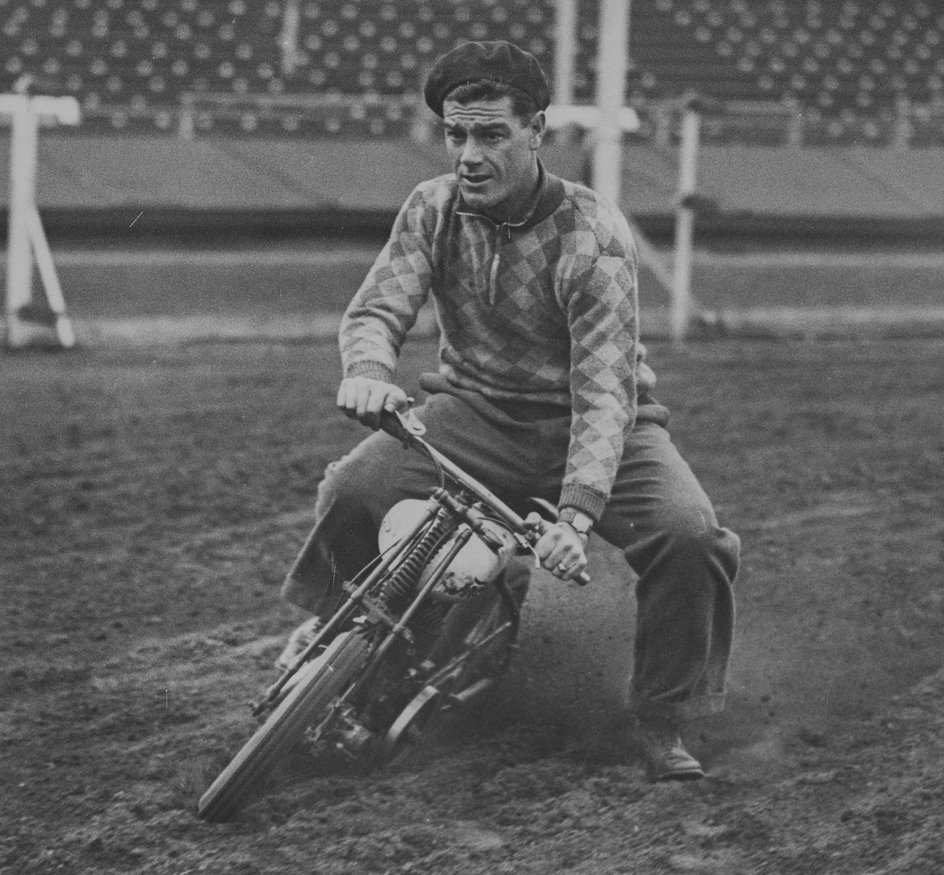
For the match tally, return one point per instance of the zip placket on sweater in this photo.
(496, 253)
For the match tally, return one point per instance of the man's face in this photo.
(493, 154)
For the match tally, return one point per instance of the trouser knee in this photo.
(686, 549)
(698, 536)
(346, 487)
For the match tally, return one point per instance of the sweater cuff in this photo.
(371, 370)
(583, 498)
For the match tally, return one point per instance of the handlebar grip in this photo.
(581, 579)
(392, 425)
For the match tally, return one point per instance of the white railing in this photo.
(292, 108)
(905, 125)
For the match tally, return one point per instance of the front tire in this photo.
(319, 683)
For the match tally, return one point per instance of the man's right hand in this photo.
(363, 399)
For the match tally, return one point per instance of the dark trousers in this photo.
(658, 515)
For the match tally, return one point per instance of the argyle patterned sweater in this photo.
(545, 310)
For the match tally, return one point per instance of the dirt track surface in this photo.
(153, 500)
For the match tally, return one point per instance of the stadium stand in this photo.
(853, 69)
(231, 104)
(863, 71)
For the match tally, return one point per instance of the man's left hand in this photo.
(559, 549)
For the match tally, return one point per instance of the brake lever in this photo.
(410, 422)
(405, 427)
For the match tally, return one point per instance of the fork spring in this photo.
(402, 584)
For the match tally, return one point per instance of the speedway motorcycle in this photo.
(426, 627)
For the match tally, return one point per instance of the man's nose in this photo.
(471, 153)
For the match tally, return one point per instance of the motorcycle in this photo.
(428, 626)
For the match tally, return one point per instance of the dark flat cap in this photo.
(497, 61)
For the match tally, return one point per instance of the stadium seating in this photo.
(854, 71)
(852, 67)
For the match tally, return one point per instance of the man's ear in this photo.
(538, 126)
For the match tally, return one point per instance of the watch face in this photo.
(578, 521)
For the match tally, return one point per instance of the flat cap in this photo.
(497, 61)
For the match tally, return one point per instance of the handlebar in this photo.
(407, 429)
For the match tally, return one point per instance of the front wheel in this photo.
(318, 685)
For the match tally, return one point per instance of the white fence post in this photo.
(565, 51)
(684, 223)
(25, 235)
(24, 137)
(612, 62)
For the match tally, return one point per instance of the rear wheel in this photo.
(481, 638)
(487, 648)
(318, 685)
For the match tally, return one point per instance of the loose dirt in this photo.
(153, 499)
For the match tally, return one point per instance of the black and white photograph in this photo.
(472, 436)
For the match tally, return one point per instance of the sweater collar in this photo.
(547, 198)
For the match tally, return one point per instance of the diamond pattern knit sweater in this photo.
(544, 310)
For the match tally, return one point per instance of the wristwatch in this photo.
(580, 522)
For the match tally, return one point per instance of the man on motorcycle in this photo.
(542, 390)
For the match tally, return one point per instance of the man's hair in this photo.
(522, 105)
